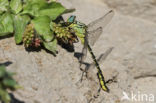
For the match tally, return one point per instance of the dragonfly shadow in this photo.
(86, 64)
(78, 55)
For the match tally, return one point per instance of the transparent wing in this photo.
(94, 35)
(100, 59)
(84, 50)
(101, 22)
(94, 32)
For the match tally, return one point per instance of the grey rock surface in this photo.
(138, 8)
(49, 79)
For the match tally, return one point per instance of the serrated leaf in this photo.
(53, 10)
(51, 46)
(42, 26)
(5, 97)
(32, 7)
(6, 24)
(20, 23)
(16, 6)
(3, 5)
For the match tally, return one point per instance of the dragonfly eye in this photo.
(71, 19)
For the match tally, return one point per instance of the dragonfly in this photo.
(100, 59)
(88, 35)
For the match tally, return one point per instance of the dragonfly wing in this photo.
(101, 22)
(104, 55)
(94, 35)
(100, 59)
(84, 50)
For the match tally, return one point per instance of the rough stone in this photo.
(49, 79)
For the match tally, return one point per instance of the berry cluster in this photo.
(64, 34)
(29, 37)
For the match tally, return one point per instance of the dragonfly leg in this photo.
(84, 73)
(90, 100)
(82, 76)
(112, 80)
(95, 96)
(98, 93)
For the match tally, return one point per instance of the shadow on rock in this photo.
(68, 47)
(15, 100)
(77, 55)
(32, 49)
(6, 63)
(6, 36)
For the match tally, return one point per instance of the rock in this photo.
(141, 9)
(49, 79)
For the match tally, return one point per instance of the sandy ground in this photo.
(49, 79)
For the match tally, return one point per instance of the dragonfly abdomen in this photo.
(99, 74)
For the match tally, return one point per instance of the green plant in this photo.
(6, 83)
(29, 21)
(33, 23)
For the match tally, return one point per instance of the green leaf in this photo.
(42, 26)
(32, 7)
(51, 46)
(16, 6)
(69, 10)
(3, 5)
(6, 24)
(10, 74)
(5, 97)
(42, 8)
(2, 71)
(9, 83)
(52, 0)
(20, 23)
(53, 10)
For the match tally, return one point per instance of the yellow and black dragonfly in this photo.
(89, 34)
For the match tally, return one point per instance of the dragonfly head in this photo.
(71, 19)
